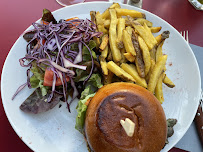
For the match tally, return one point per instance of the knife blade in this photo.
(199, 120)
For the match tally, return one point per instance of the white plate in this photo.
(54, 130)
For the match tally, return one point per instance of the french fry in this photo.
(158, 90)
(129, 57)
(127, 41)
(162, 36)
(155, 29)
(132, 13)
(104, 53)
(146, 34)
(104, 43)
(107, 23)
(115, 5)
(121, 27)
(109, 57)
(153, 53)
(142, 21)
(106, 14)
(108, 78)
(157, 70)
(150, 71)
(113, 36)
(129, 29)
(153, 40)
(119, 72)
(123, 60)
(104, 66)
(128, 37)
(93, 19)
(158, 38)
(138, 59)
(131, 69)
(145, 54)
(159, 52)
(168, 82)
(93, 16)
(100, 23)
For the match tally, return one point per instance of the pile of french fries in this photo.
(130, 51)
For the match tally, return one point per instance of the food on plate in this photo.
(156, 73)
(35, 103)
(116, 54)
(115, 66)
(133, 55)
(119, 72)
(132, 45)
(122, 117)
(60, 60)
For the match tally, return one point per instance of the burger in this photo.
(124, 117)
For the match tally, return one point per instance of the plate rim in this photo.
(100, 2)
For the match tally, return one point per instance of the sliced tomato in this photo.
(48, 78)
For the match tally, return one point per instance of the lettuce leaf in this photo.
(85, 52)
(94, 84)
(82, 108)
(37, 79)
(95, 80)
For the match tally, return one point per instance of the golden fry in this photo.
(106, 14)
(168, 82)
(157, 70)
(93, 19)
(150, 71)
(155, 29)
(131, 69)
(109, 57)
(121, 27)
(142, 21)
(113, 36)
(162, 36)
(159, 52)
(158, 38)
(158, 90)
(104, 66)
(127, 41)
(107, 23)
(100, 23)
(132, 13)
(123, 60)
(104, 53)
(145, 54)
(119, 72)
(146, 34)
(129, 29)
(153, 53)
(104, 43)
(129, 57)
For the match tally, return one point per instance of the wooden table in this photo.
(16, 16)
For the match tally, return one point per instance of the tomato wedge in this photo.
(48, 78)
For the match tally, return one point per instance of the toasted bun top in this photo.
(118, 101)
